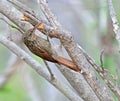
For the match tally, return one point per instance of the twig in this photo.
(25, 9)
(114, 20)
(101, 58)
(48, 13)
(11, 25)
(22, 7)
(39, 69)
(113, 88)
(98, 69)
(43, 27)
(51, 74)
(13, 62)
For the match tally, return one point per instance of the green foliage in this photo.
(14, 91)
(110, 64)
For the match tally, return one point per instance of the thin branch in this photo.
(103, 74)
(43, 27)
(13, 62)
(114, 20)
(1, 18)
(101, 58)
(39, 69)
(50, 71)
(48, 13)
(98, 69)
(22, 6)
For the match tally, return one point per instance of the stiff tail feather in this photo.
(67, 63)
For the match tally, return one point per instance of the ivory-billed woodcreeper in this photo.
(33, 42)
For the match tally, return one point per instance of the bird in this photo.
(42, 48)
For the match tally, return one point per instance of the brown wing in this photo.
(32, 43)
(39, 51)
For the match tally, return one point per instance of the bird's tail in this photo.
(67, 63)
